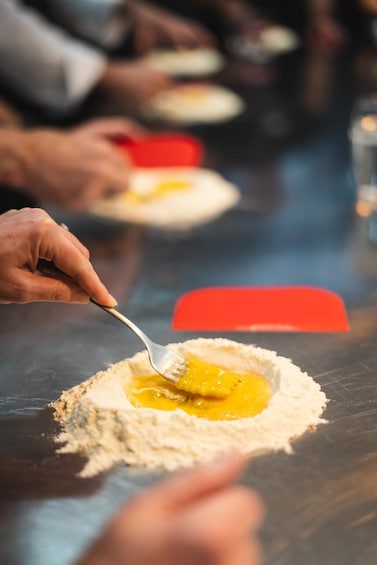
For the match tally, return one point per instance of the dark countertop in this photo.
(295, 224)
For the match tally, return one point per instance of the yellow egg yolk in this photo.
(205, 391)
(194, 95)
(159, 190)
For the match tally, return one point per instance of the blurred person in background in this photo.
(45, 64)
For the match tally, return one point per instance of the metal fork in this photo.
(165, 361)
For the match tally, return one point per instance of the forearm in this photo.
(43, 64)
(320, 9)
(103, 22)
(15, 158)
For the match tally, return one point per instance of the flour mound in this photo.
(186, 62)
(100, 423)
(194, 104)
(208, 197)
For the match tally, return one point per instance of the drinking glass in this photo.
(363, 134)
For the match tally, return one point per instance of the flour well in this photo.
(194, 104)
(205, 196)
(100, 423)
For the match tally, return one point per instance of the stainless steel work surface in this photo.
(295, 225)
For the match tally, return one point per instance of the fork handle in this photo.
(116, 314)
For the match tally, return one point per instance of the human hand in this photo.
(198, 516)
(111, 128)
(155, 26)
(369, 6)
(30, 234)
(71, 170)
(9, 117)
(325, 33)
(133, 82)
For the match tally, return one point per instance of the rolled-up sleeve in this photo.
(42, 63)
(104, 22)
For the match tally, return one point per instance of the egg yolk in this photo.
(194, 94)
(159, 191)
(205, 391)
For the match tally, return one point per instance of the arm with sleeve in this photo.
(103, 22)
(42, 63)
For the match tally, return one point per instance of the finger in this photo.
(119, 127)
(231, 513)
(219, 523)
(75, 265)
(200, 481)
(143, 40)
(243, 553)
(193, 36)
(31, 287)
(115, 184)
(76, 242)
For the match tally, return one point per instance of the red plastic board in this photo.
(165, 150)
(283, 309)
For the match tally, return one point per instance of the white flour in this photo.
(208, 196)
(194, 103)
(99, 422)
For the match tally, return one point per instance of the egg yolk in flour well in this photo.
(205, 391)
(159, 190)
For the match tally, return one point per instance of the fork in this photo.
(164, 361)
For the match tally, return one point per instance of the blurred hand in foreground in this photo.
(30, 234)
(197, 516)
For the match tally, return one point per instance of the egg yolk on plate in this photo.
(205, 391)
(160, 190)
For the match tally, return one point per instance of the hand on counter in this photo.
(154, 26)
(66, 169)
(30, 234)
(132, 83)
(111, 128)
(198, 516)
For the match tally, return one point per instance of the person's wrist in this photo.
(109, 77)
(16, 158)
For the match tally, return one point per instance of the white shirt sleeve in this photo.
(42, 63)
(100, 21)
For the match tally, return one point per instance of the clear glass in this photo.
(363, 133)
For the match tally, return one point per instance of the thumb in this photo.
(204, 480)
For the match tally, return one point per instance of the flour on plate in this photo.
(100, 423)
(186, 62)
(171, 198)
(278, 39)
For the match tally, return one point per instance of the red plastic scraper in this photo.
(280, 309)
(164, 150)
